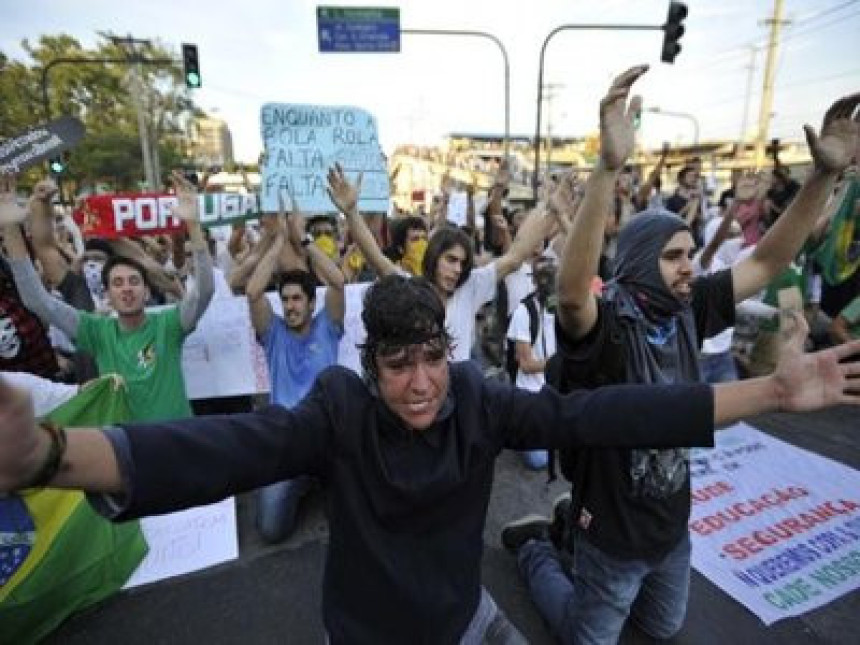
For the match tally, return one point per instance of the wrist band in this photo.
(52, 462)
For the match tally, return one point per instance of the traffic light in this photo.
(191, 66)
(672, 31)
(57, 165)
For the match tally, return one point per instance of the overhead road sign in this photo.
(358, 29)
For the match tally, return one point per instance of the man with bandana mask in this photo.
(629, 509)
(408, 244)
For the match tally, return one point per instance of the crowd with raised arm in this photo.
(594, 328)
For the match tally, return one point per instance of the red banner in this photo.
(127, 215)
(133, 214)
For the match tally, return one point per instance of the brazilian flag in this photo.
(57, 556)
(839, 254)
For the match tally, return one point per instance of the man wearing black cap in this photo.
(629, 508)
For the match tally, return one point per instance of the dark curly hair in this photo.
(400, 311)
(301, 278)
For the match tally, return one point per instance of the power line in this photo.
(835, 21)
(824, 12)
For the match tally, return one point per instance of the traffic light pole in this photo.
(535, 173)
(479, 34)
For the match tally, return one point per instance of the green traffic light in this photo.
(57, 167)
(192, 79)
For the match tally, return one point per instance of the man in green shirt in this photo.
(145, 348)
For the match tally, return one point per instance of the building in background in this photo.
(211, 143)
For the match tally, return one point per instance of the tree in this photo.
(99, 95)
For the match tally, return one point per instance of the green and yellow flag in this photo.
(57, 556)
(839, 254)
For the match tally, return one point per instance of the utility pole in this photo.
(134, 78)
(549, 95)
(750, 76)
(765, 114)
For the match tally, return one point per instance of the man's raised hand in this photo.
(10, 211)
(342, 193)
(187, 207)
(833, 149)
(617, 117)
(812, 381)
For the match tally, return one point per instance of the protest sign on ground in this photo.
(187, 541)
(303, 141)
(775, 527)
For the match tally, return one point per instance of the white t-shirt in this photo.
(463, 306)
(221, 289)
(47, 395)
(544, 345)
(519, 284)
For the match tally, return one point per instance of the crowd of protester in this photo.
(609, 278)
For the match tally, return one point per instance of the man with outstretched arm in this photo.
(408, 453)
(630, 508)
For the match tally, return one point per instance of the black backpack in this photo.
(511, 365)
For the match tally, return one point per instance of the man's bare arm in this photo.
(345, 196)
(831, 154)
(577, 307)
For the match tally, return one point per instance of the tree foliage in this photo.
(103, 96)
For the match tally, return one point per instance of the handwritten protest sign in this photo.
(303, 141)
(187, 541)
(37, 144)
(134, 214)
(775, 527)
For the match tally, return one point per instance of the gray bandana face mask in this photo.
(637, 261)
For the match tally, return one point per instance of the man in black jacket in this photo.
(408, 456)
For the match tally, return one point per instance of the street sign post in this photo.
(358, 29)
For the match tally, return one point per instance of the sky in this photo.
(260, 51)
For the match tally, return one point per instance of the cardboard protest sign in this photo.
(775, 527)
(303, 141)
(129, 215)
(26, 149)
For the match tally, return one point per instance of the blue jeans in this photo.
(278, 506)
(534, 459)
(718, 368)
(591, 604)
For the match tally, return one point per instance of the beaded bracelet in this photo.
(55, 456)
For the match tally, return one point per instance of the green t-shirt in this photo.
(851, 314)
(148, 358)
(790, 277)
